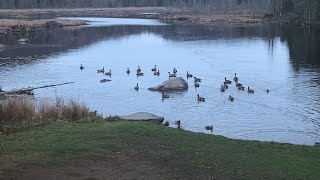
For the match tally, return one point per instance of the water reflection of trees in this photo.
(303, 42)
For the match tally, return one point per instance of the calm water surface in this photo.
(280, 58)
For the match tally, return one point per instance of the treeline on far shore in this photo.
(308, 10)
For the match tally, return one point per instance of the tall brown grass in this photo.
(22, 110)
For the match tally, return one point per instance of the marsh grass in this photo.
(20, 111)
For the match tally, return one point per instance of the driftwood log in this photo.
(30, 89)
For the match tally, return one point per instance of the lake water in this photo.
(284, 59)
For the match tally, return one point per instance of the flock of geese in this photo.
(197, 81)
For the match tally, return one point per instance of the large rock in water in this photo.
(173, 84)
(142, 116)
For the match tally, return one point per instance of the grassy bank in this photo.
(128, 150)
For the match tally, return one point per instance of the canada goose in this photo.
(128, 71)
(235, 77)
(139, 69)
(197, 79)
(222, 89)
(140, 73)
(238, 84)
(164, 95)
(157, 73)
(231, 98)
(240, 88)
(196, 84)
(108, 73)
(178, 123)
(81, 67)
(268, 90)
(100, 70)
(174, 71)
(209, 128)
(189, 75)
(136, 87)
(250, 90)
(201, 98)
(227, 81)
(105, 80)
(155, 68)
(225, 86)
(172, 75)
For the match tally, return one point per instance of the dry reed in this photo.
(22, 110)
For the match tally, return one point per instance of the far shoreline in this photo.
(37, 18)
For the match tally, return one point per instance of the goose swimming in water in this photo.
(222, 89)
(209, 128)
(155, 68)
(81, 67)
(199, 98)
(238, 84)
(174, 71)
(139, 73)
(108, 73)
(128, 71)
(157, 73)
(235, 77)
(172, 75)
(164, 96)
(240, 88)
(268, 90)
(250, 90)
(231, 98)
(105, 80)
(189, 75)
(100, 70)
(139, 69)
(197, 79)
(196, 84)
(136, 87)
(227, 81)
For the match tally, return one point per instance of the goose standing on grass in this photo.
(189, 75)
(231, 98)
(108, 73)
(251, 91)
(197, 79)
(235, 77)
(136, 87)
(128, 71)
(200, 98)
(227, 81)
(164, 96)
(157, 73)
(139, 69)
(155, 68)
(81, 67)
(100, 70)
(172, 75)
(174, 71)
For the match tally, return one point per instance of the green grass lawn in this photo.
(180, 154)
